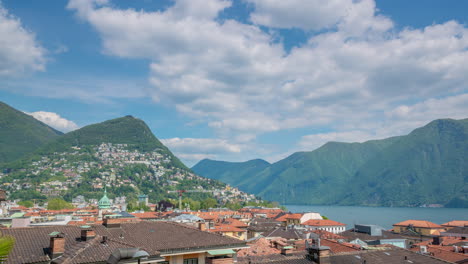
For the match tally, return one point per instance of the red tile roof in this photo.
(322, 222)
(419, 223)
(445, 253)
(444, 241)
(285, 217)
(260, 247)
(233, 222)
(326, 234)
(222, 214)
(225, 228)
(456, 223)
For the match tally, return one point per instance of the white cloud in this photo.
(19, 50)
(353, 16)
(195, 149)
(242, 83)
(311, 142)
(400, 120)
(54, 120)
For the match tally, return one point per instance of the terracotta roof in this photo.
(285, 217)
(323, 222)
(287, 233)
(336, 247)
(259, 247)
(384, 256)
(444, 252)
(221, 214)
(456, 231)
(160, 236)
(146, 215)
(326, 234)
(225, 228)
(419, 223)
(352, 234)
(444, 241)
(456, 223)
(233, 222)
(295, 258)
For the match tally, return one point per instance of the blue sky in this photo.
(236, 80)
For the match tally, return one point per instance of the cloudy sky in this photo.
(238, 79)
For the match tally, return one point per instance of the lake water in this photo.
(383, 216)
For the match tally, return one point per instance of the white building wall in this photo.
(309, 216)
(331, 229)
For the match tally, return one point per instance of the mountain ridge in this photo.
(21, 133)
(349, 173)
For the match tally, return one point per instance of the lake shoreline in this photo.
(383, 216)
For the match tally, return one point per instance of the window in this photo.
(191, 261)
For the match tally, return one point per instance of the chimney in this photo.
(57, 244)
(436, 240)
(202, 226)
(87, 233)
(112, 222)
(317, 253)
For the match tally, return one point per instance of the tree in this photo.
(58, 204)
(208, 203)
(6, 245)
(26, 203)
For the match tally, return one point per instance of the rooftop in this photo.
(419, 223)
(164, 237)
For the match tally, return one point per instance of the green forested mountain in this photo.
(428, 166)
(230, 172)
(21, 133)
(121, 154)
(124, 130)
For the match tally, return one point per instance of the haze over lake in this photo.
(383, 216)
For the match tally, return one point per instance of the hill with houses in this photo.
(121, 154)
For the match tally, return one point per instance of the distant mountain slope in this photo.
(123, 130)
(429, 165)
(122, 154)
(229, 172)
(21, 133)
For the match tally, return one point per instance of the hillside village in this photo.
(115, 166)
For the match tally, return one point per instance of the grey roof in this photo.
(32, 242)
(456, 231)
(395, 255)
(287, 233)
(351, 234)
(187, 217)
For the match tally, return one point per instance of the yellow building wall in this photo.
(422, 231)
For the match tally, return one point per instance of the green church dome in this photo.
(104, 203)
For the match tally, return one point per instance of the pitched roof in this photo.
(445, 252)
(225, 228)
(233, 222)
(336, 247)
(322, 222)
(456, 223)
(419, 223)
(285, 217)
(288, 233)
(160, 236)
(326, 234)
(390, 255)
(352, 234)
(456, 231)
(259, 247)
